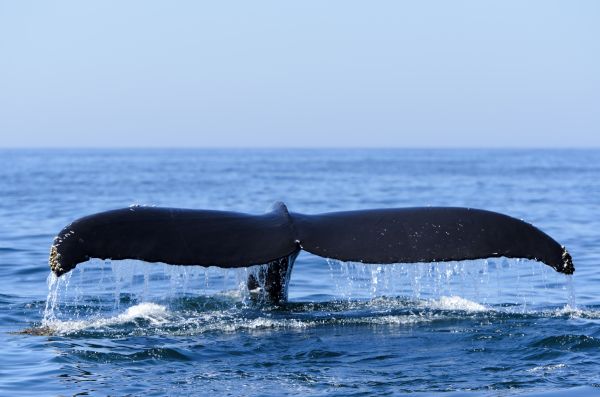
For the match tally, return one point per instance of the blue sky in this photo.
(300, 74)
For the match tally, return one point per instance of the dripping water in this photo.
(116, 285)
(501, 282)
(112, 287)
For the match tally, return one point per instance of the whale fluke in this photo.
(230, 239)
(427, 234)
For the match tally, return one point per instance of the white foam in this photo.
(575, 312)
(456, 303)
(229, 321)
(390, 320)
(547, 368)
(264, 323)
(156, 314)
(151, 312)
(219, 323)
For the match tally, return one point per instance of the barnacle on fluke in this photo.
(54, 261)
(231, 239)
(568, 267)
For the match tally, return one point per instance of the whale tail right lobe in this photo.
(426, 234)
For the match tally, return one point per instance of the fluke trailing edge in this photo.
(230, 239)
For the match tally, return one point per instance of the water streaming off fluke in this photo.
(142, 298)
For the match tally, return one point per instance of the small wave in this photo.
(153, 353)
(11, 249)
(568, 342)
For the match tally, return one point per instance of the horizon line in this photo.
(593, 147)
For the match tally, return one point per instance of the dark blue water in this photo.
(495, 327)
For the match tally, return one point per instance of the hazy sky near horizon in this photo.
(300, 74)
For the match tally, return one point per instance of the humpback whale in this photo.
(231, 239)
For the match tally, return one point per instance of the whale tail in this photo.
(230, 239)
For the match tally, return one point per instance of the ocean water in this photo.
(487, 327)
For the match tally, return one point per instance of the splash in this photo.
(456, 303)
(107, 286)
(149, 313)
(142, 297)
